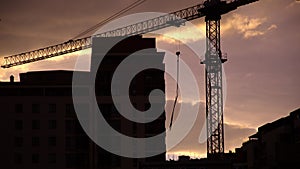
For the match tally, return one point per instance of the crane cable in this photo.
(131, 6)
(177, 81)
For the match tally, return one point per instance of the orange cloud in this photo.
(292, 4)
(246, 26)
(186, 34)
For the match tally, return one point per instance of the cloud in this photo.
(272, 27)
(246, 26)
(186, 34)
(235, 134)
(292, 4)
(252, 101)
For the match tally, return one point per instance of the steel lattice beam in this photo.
(48, 52)
(213, 63)
(172, 19)
(214, 90)
(212, 10)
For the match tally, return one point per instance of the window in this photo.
(52, 141)
(51, 158)
(104, 159)
(70, 125)
(82, 160)
(35, 158)
(18, 158)
(116, 161)
(69, 142)
(36, 108)
(18, 124)
(70, 160)
(52, 124)
(52, 108)
(69, 110)
(18, 141)
(35, 141)
(81, 142)
(19, 108)
(35, 124)
(135, 162)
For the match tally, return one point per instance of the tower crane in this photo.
(212, 10)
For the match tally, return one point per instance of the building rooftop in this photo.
(280, 122)
(52, 77)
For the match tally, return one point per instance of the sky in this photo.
(260, 39)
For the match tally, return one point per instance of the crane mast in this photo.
(212, 10)
(214, 88)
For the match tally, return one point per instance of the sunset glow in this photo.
(262, 42)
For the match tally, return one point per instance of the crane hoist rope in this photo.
(124, 10)
(157, 23)
(176, 95)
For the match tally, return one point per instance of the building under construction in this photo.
(40, 126)
(212, 10)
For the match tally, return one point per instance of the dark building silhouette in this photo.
(184, 162)
(40, 128)
(276, 145)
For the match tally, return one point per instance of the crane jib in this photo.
(172, 19)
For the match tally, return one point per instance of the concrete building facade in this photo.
(39, 125)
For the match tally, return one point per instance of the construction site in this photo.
(111, 115)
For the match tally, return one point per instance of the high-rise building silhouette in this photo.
(39, 125)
